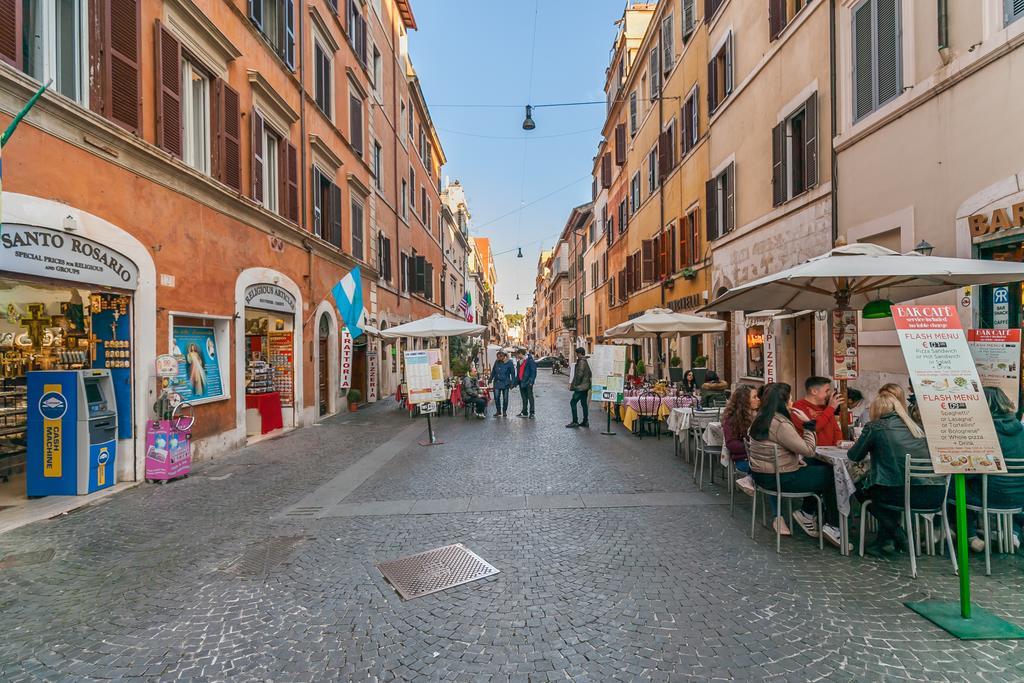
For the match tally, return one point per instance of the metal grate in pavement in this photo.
(305, 511)
(263, 557)
(435, 570)
(25, 559)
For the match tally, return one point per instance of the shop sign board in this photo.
(371, 376)
(1001, 307)
(424, 375)
(428, 408)
(269, 297)
(845, 352)
(608, 369)
(195, 349)
(770, 357)
(50, 253)
(346, 343)
(961, 436)
(997, 357)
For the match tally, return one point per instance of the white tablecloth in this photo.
(679, 420)
(845, 486)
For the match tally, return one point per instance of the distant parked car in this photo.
(545, 361)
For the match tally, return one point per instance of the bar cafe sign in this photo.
(269, 298)
(1000, 219)
(50, 253)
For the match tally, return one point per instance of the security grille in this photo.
(435, 570)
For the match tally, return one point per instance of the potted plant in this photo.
(640, 368)
(700, 364)
(675, 361)
(354, 397)
(688, 273)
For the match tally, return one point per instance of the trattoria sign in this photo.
(54, 254)
(345, 338)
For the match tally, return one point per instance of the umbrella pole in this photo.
(842, 305)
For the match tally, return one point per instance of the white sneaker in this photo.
(809, 523)
(835, 537)
(779, 525)
(746, 485)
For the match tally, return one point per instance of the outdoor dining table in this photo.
(629, 411)
(845, 488)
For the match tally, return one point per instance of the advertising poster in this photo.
(844, 345)
(608, 368)
(198, 363)
(961, 436)
(424, 376)
(345, 343)
(997, 357)
(371, 376)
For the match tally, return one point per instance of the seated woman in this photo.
(713, 390)
(773, 429)
(471, 394)
(689, 383)
(1003, 492)
(736, 419)
(888, 437)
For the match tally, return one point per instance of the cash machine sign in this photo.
(52, 405)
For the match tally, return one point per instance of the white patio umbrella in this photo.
(661, 321)
(435, 325)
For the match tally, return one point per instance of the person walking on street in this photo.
(580, 388)
(503, 377)
(527, 376)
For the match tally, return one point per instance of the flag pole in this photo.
(24, 111)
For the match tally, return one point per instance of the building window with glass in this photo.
(755, 351)
(56, 45)
(877, 55)
(195, 116)
(322, 75)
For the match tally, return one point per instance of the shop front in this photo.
(779, 347)
(67, 322)
(270, 360)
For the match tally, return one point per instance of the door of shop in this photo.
(323, 367)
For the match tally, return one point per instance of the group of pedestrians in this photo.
(521, 374)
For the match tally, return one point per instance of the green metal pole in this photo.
(21, 114)
(961, 546)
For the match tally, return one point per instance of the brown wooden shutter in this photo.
(730, 198)
(120, 46)
(334, 217)
(168, 90)
(779, 192)
(291, 175)
(776, 17)
(664, 154)
(711, 213)
(712, 85)
(811, 141)
(620, 144)
(256, 168)
(10, 32)
(684, 245)
(647, 260)
(606, 170)
(227, 118)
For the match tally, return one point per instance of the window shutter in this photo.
(1014, 10)
(863, 61)
(606, 170)
(729, 182)
(289, 34)
(637, 272)
(779, 193)
(684, 244)
(622, 284)
(620, 144)
(227, 124)
(664, 154)
(664, 248)
(387, 259)
(318, 208)
(428, 281)
(256, 13)
(120, 47)
(291, 194)
(420, 282)
(670, 251)
(668, 45)
(168, 90)
(334, 216)
(776, 18)
(647, 260)
(10, 32)
(728, 65)
(711, 214)
(257, 157)
(695, 115)
(890, 82)
(712, 85)
(695, 250)
(356, 122)
(709, 9)
(811, 141)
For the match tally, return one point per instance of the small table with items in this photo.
(630, 408)
(846, 487)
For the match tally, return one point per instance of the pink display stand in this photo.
(168, 452)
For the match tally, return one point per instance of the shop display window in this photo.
(201, 347)
(755, 351)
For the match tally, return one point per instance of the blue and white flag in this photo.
(348, 299)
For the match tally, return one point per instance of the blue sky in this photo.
(479, 52)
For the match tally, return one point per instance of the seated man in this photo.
(817, 411)
(471, 394)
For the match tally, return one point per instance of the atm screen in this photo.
(92, 393)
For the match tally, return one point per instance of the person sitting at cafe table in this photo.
(799, 471)
(1003, 492)
(888, 437)
(689, 383)
(471, 394)
(818, 406)
(736, 419)
(714, 390)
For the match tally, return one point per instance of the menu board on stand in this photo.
(608, 370)
(424, 375)
(997, 358)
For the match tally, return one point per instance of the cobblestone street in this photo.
(599, 579)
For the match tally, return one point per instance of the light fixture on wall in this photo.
(924, 248)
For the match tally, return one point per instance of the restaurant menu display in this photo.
(997, 358)
(608, 369)
(844, 345)
(961, 436)
(424, 374)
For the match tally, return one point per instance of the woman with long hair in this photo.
(888, 437)
(773, 431)
(737, 417)
(689, 382)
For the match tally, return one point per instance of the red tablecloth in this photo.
(269, 405)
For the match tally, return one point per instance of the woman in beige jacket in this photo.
(799, 471)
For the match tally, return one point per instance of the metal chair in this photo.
(1004, 516)
(779, 496)
(915, 468)
(699, 421)
(706, 451)
(648, 408)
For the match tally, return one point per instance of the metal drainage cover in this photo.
(27, 559)
(263, 557)
(435, 570)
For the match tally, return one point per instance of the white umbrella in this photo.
(849, 277)
(435, 325)
(658, 321)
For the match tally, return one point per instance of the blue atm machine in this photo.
(72, 432)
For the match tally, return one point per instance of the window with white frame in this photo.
(56, 45)
(402, 119)
(652, 170)
(322, 79)
(877, 55)
(688, 11)
(691, 120)
(668, 44)
(655, 71)
(634, 193)
(195, 116)
(412, 186)
(377, 72)
(721, 203)
(720, 76)
(795, 152)
(271, 169)
(632, 113)
(358, 228)
(405, 199)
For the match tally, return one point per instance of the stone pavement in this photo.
(613, 567)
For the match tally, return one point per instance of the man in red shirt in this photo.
(819, 406)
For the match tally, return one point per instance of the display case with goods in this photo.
(259, 377)
(13, 413)
(279, 351)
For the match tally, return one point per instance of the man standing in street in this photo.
(527, 372)
(580, 388)
(503, 376)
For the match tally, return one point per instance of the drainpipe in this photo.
(834, 192)
(303, 177)
(943, 25)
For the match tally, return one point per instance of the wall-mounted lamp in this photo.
(924, 248)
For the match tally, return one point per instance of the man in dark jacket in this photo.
(503, 377)
(527, 376)
(580, 388)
